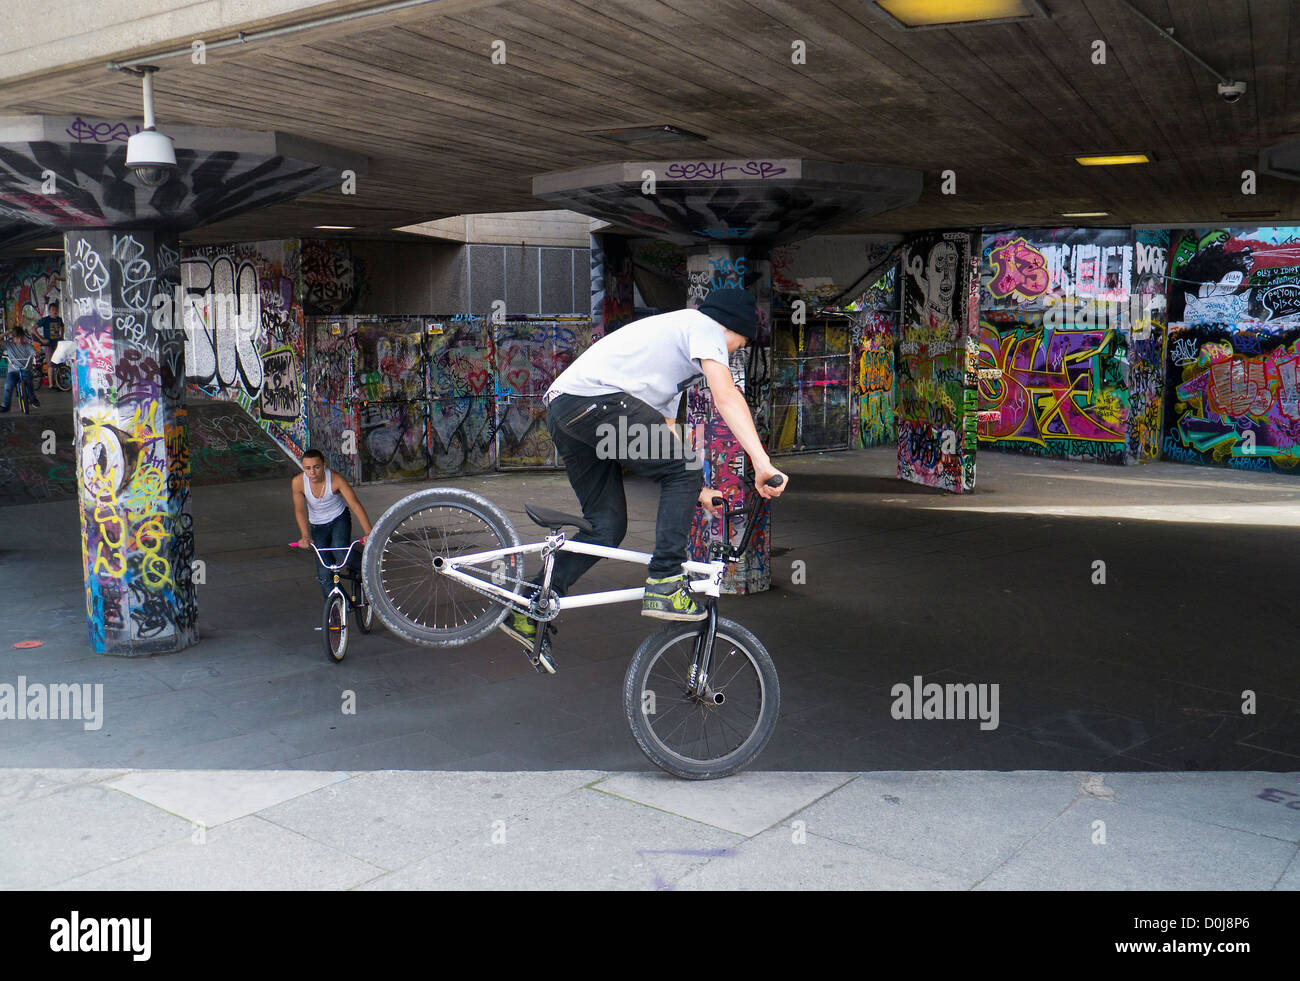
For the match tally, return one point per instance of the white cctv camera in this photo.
(151, 155)
(1230, 92)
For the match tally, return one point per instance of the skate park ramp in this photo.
(226, 446)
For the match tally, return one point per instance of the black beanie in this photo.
(734, 309)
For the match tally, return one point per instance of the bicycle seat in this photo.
(554, 520)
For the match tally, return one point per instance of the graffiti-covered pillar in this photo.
(728, 267)
(133, 478)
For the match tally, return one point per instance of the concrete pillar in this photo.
(728, 267)
(133, 474)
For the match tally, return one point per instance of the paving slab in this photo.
(77, 830)
(1257, 802)
(393, 818)
(213, 797)
(1143, 850)
(952, 822)
(246, 854)
(774, 860)
(583, 840)
(745, 804)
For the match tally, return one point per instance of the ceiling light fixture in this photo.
(662, 133)
(913, 15)
(1113, 159)
(336, 228)
(1085, 214)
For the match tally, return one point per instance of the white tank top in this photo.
(324, 509)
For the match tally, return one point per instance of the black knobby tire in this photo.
(415, 601)
(659, 666)
(334, 627)
(62, 377)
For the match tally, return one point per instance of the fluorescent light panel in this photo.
(1113, 159)
(913, 14)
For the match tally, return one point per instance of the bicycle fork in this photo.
(698, 678)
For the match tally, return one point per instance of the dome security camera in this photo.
(1231, 92)
(151, 155)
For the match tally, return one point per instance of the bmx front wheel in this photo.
(718, 734)
(401, 574)
(334, 627)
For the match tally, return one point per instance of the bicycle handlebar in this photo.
(331, 548)
(750, 511)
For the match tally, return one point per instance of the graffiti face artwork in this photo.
(935, 414)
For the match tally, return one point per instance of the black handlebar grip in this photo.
(775, 481)
(717, 502)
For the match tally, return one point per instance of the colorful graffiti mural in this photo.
(1233, 396)
(873, 380)
(936, 409)
(811, 385)
(244, 333)
(29, 287)
(133, 460)
(724, 459)
(1057, 392)
(1235, 276)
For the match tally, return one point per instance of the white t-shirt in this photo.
(648, 358)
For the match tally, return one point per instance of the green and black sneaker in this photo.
(669, 599)
(522, 628)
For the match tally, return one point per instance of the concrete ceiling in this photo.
(1005, 106)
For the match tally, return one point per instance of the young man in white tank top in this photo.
(321, 502)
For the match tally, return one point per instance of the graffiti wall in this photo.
(244, 333)
(28, 288)
(872, 422)
(724, 458)
(1147, 348)
(810, 385)
(1231, 349)
(133, 463)
(936, 408)
(435, 396)
(1054, 342)
(333, 278)
(1235, 276)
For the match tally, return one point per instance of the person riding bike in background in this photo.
(49, 331)
(321, 502)
(21, 352)
(632, 380)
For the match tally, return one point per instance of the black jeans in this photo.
(577, 426)
(336, 534)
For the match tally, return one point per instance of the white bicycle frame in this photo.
(450, 567)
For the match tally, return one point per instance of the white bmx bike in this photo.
(443, 567)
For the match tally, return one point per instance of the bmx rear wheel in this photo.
(365, 611)
(414, 599)
(712, 736)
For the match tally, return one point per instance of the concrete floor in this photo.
(1143, 673)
